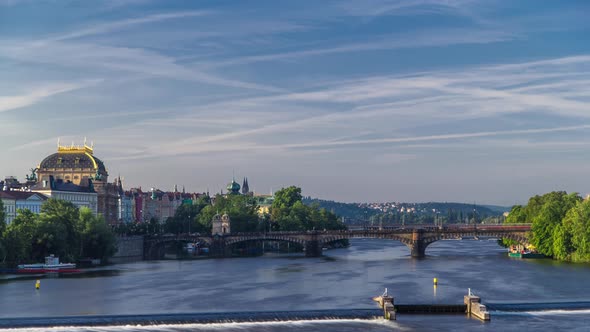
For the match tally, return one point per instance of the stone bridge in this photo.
(416, 238)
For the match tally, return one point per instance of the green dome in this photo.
(233, 187)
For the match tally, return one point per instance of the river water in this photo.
(342, 280)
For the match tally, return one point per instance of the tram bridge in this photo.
(417, 238)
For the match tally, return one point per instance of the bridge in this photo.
(417, 238)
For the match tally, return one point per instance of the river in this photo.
(343, 279)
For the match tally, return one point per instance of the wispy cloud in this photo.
(380, 104)
(119, 59)
(372, 8)
(107, 27)
(8, 103)
(416, 39)
(440, 137)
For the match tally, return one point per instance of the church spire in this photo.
(245, 188)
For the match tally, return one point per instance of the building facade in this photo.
(17, 200)
(80, 196)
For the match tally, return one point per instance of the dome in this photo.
(73, 160)
(233, 187)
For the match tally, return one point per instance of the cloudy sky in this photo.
(368, 100)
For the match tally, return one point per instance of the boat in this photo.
(51, 265)
(521, 252)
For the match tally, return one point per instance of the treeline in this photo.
(61, 229)
(560, 224)
(287, 213)
(346, 210)
(413, 213)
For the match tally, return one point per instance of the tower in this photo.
(216, 227)
(245, 187)
(225, 224)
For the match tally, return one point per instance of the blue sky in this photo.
(368, 100)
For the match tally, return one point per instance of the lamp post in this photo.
(189, 224)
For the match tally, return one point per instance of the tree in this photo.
(185, 219)
(61, 216)
(98, 241)
(241, 209)
(284, 200)
(18, 237)
(290, 214)
(2, 217)
(16, 245)
(576, 229)
(551, 208)
(517, 215)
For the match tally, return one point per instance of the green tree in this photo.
(3, 250)
(61, 216)
(18, 237)
(2, 217)
(51, 237)
(551, 209)
(98, 240)
(290, 214)
(16, 245)
(185, 219)
(241, 209)
(284, 200)
(576, 225)
(517, 215)
(561, 243)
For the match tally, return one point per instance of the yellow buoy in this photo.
(435, 280)
(38, 284)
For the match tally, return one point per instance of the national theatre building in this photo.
(75, 172)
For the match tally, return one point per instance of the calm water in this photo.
(342, 279)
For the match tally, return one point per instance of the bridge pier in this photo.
(218, 248)
(417, 247)
(313, 248)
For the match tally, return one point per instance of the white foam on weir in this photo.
(210, 326)
(555, 312)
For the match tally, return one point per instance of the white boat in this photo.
(51, 263)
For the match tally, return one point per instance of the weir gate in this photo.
(417, 238)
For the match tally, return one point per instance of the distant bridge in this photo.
(416, 237)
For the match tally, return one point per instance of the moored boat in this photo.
(52, 265)
(521, 252)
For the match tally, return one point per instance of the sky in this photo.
(354, 100)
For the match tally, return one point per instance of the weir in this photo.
(472, 306)
(189, 318)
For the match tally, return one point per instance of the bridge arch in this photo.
(405, 239)
(335, 237)
(267, 237)
(520, 238)
(154, 247)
